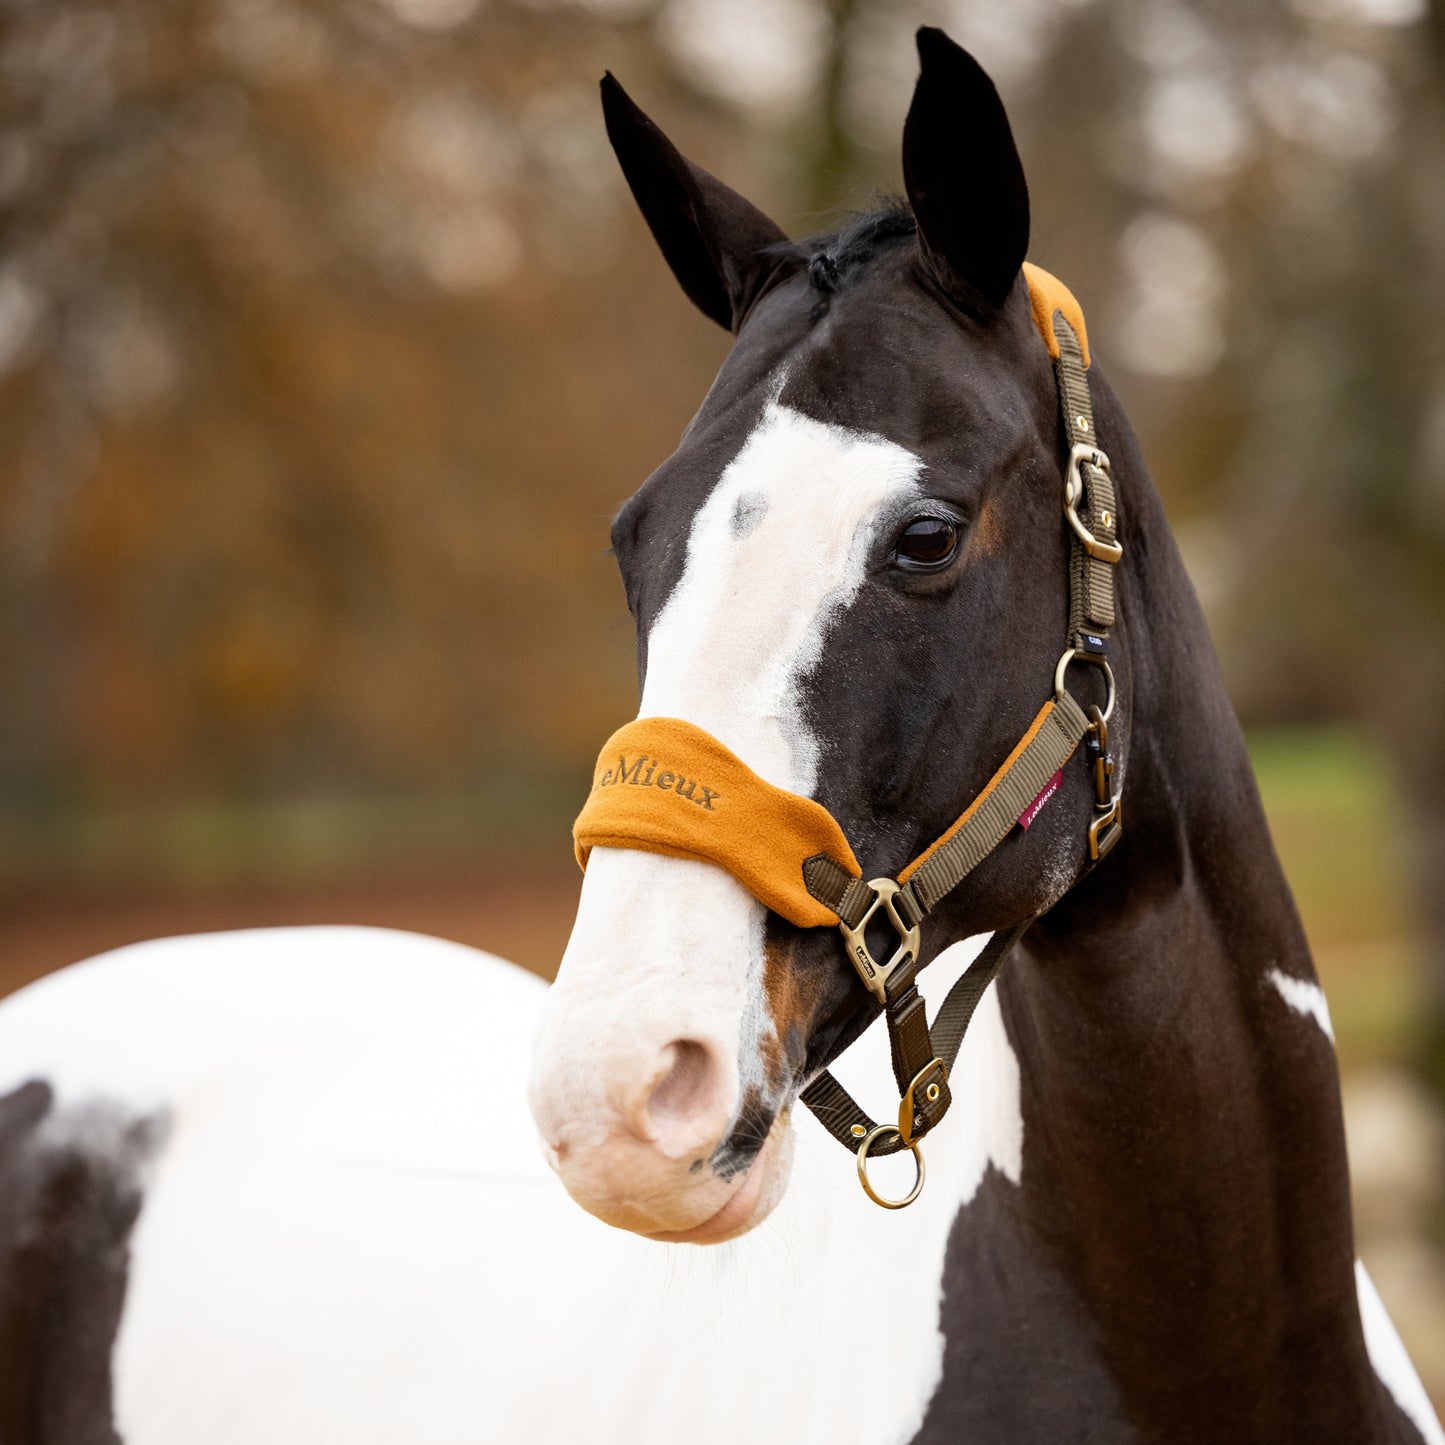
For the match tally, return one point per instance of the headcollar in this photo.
(663, 785)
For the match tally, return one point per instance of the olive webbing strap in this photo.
(1051, 740)
(954, 1018)
(839, 1113)
(1045, 748)
(1053, 736)
(836, 888)
(1091, 577)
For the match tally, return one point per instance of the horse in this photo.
(281, 1185)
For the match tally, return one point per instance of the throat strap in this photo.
(913, 1053)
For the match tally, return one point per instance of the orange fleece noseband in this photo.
(664, 786)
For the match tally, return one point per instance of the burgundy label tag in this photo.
(1037, 806)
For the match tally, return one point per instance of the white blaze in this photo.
(779, 547)
(664, 948)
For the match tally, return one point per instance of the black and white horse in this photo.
(281, 1186)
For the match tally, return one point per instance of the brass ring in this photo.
(1102, 663)
(869, 1190)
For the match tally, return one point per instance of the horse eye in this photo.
(927, 542)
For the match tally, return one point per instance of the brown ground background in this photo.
(522, 913)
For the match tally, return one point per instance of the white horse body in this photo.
(348, 1232)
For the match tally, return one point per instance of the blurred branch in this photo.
(1435, 25)
(834, 158)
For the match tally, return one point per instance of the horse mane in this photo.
(865, 235)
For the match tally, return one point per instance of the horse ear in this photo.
(713, 239)
(964, 178)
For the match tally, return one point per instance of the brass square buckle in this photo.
(875, 975)
(927, 1085)
(1074, 494)
(1105, 829)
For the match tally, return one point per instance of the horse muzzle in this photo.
(635, 1086)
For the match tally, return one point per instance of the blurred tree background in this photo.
(329, 342)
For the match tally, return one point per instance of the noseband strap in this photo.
(663, 785)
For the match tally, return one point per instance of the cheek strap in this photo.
(666, 786)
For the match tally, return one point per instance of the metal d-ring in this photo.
(1094, 659)
(912, 1146)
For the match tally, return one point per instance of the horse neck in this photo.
(1182, 1124)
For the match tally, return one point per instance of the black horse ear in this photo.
(963, 175)
(713, 239)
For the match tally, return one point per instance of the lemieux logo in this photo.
(644, 773)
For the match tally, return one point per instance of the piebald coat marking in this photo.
(350, 1235)
(748, 616)
(1387, 1353)
(1304, 997)
(1392, 1363)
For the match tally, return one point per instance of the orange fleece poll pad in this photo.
(1048, 294)
(665, 786)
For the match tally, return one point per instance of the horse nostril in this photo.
(686, 1108)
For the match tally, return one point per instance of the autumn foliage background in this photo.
(329, 342)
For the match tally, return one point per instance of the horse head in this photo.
(853, 573)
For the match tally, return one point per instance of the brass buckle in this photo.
(1074, 494)
(875, 975)
(930, 1079)
(1105, 829)
(918, 1164)
(1094, 659)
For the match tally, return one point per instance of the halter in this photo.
(665, 786)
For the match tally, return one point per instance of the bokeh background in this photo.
(329, 342)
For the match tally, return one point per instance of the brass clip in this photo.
(1108, 809)
(1100, 757)
(1074, 494)
(875, 975)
